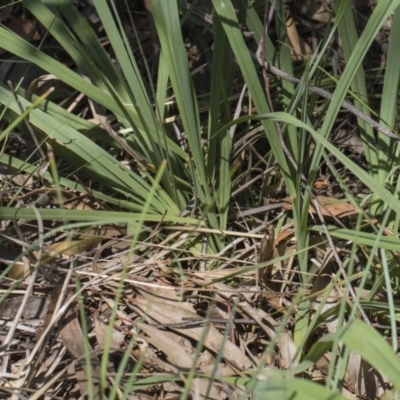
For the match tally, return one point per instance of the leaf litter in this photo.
(216, 324)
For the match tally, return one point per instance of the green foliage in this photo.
(192, 185)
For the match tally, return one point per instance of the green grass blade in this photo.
(372, 347)
(26, 167)
(361, 238)
(97, 217)
(293, 389)
(227, 15)
(168, 27)
(349, 38)
(378, 17)
(219, 147)
(388, 110)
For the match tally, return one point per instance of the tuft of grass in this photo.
(202, 195)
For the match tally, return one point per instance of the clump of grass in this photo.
(148, 209)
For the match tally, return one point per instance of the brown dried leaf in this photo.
(70, 200)
(68, 248)
(20, 269)
(101, 331)
(349, 139)
(266, 252)
(315, 9)
(321, 282)
(23, 180)
(321, 184)
(330, 207)
(23, 27)
(171, 345)
(55, 294)
(267, 246)
(287, 349)
(74, 340)
(300, 48)
(257, 314)
(36, 307)
(361, 378)
(283, 235)
(166, 313)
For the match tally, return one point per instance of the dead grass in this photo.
(90, 312)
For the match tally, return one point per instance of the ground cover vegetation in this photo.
(199, 199)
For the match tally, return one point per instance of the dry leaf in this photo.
(170, 344)
(24, 180)
(36, 307)
(69, 199)
(23, 27)
(74, 340)
(300, 49)
(349, 140)
(101, 331)
(287, 350)
(321, 282)
(20, 269)
(165, 313)
(315, 9)
(321, 184)
(68, 248)
(283, 236)
(53, 299)
(329, 207)
(361, 378)
(266, 252)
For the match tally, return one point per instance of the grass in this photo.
(191, 220)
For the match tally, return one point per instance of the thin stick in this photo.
(327, 95)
